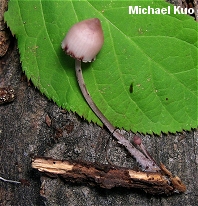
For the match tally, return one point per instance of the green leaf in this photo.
(145, 77)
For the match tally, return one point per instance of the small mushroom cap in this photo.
(137, 140)
(84, 40)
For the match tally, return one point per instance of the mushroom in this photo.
(138, 141)
(83, 42)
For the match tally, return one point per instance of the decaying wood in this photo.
(7, 95)
(4, 32)
(108, 177)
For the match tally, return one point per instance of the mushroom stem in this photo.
(146, 153)
(146, 164)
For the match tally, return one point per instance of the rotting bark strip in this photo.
(108, 177)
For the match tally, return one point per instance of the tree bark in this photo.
(34, 125)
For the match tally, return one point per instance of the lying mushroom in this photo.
(83, 42)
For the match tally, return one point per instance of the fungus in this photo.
(83, 42)
(138, 141)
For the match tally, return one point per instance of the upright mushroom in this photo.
(83, 42)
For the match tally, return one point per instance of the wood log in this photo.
(107, 176)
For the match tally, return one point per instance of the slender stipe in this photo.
(146, 163)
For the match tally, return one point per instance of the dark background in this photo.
(24, 132)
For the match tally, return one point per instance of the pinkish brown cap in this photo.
(84, 40)
(137, 140)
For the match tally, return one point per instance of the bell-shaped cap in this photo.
(84, 40)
